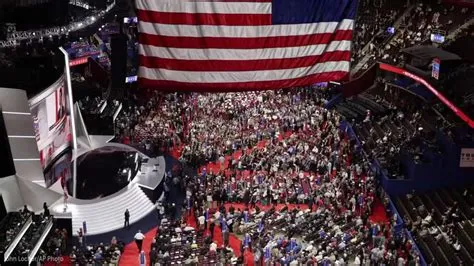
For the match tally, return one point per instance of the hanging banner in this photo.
(464, 3)
(440, 96)
(467, 158)
(78, 61)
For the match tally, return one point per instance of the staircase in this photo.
(108, 215)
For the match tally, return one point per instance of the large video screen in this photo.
(51, 119)
(59, 170)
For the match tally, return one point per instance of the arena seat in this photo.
(450, 224)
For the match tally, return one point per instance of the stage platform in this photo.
(151, 172)
(106, 214)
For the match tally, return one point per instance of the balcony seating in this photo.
(436, 251)
(428, 255)
(447, 228)
(31, 237)
(449, 252)
(10, 226)
(469, 228)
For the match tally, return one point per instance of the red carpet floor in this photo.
(379, 214)
(130, 252)
(234, 242)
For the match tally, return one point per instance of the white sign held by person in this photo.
(467, 158)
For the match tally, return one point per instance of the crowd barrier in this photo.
(415, 88)
(398, 227)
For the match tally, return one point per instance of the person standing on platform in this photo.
(127, 219)
(139, 239)
(142, 259)
(65, 200)
(45, 210)
(80, 234)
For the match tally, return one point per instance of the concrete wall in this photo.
(35, 195)
(11, 193)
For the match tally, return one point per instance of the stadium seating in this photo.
(416, 29)
(372, 21)
(10, 227)
(393, 120)
(179, 250)
(32, 236)
(450, 224)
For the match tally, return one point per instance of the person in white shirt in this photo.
(213, 247)
(427, 220)
(457, 246)
(139, 239)
(400, 261)
(160, 208)
(202, 221)
(357, 260)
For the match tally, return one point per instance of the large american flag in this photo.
(243, 44)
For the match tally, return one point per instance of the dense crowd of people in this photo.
(97, 254)
(267, 152)
(439, 221)
(178, 243)
(278, 170)
(405, 126)
(58, 246)
(10, 227)
(153, 120)
(424, 19)
(32, 236)
(373, 19)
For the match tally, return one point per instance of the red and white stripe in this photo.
(232, 45)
